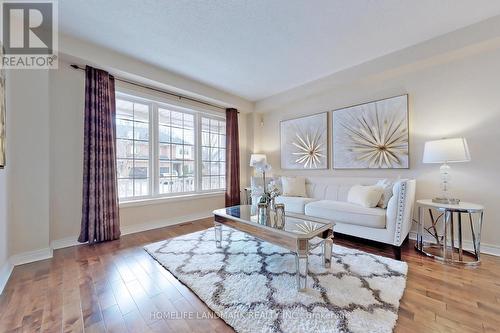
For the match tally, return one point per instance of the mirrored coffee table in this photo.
(296, 234)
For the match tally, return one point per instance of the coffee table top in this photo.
(295, 226)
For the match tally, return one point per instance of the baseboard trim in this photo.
(47, 253)
(31, 256)
(491, 249)
(20, 259)
(132, 229)
(5, 272)
(64, 242)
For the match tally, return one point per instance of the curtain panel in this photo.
(100, 210)
(232, 159)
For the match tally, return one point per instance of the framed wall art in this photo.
(304, 142)
(373, 135)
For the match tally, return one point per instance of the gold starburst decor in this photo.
(306, 227)
(309, 149)
(304, 142)
(372, 135)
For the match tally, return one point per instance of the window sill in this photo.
(162, 200)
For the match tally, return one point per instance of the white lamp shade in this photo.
(258, 160)
(446, 151)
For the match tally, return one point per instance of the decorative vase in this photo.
(279, 216)
(273, 204)
(262, 213)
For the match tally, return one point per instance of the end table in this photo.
(444, 245)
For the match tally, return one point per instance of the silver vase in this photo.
(279, 216)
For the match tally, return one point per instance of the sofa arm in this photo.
(400, 210)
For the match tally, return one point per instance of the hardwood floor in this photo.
(116, 286)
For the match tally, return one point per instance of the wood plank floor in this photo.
(116, 286)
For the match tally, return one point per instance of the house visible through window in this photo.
(177, 151)
(164, 150)
(213, 147)
(132, 148)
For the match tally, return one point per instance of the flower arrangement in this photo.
(273, 190)
(271, 193)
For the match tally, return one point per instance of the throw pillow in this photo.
(294, 186)
(387, 186)
(366, 196)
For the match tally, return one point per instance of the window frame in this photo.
(200, 134)
(155, 103)
(135, 99)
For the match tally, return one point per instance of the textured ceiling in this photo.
(257, 48)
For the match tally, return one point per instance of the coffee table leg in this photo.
(327, 248)
(301, 262)
(218, 235)
(302, 265)
(327, 252)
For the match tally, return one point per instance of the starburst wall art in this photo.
(372, 135)
(304, 142)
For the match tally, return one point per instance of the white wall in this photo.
(28, 160)
(451, 93)
(83, 52)
(5, 267)
(67, 99)
(4, 251)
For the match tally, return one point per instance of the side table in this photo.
(444, 248)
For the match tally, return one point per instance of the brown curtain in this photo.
(100, 214)
(232, 159)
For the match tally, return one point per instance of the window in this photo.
(213, 153)
(164, 150)
(176, 152)
(132, 148)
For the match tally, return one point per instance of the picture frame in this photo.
(304, 142)
(372, 135)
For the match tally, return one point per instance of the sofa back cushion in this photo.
(365, 195)
(330, 188)
(334, 188)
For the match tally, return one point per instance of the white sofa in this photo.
(327, 199)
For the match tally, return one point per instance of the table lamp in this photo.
(446, 151)
(259, 162)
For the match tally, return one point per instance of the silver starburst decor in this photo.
(372, 135)
(304, 142)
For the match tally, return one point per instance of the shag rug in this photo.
(251, 284)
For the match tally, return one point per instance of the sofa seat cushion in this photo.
(345, 212)
(294, 204)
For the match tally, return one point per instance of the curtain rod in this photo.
(159, 90)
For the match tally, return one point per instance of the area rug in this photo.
(251, 284)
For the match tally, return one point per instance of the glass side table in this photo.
(445, 246)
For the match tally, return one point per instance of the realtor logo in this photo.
(29, 34)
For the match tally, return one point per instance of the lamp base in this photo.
(446, 201)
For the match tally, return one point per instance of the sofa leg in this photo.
(397, 252)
